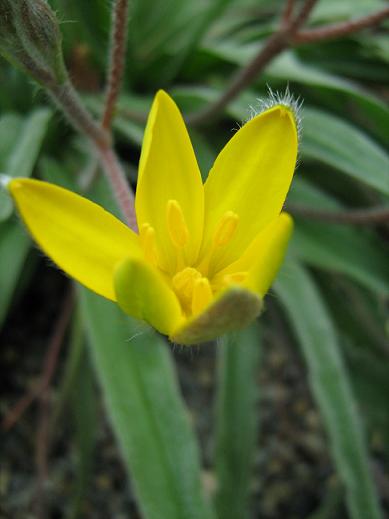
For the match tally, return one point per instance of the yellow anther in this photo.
(226, 229)
(148, 242)
(236, 277)
(202, 295)
(176, 224)
(183, 283)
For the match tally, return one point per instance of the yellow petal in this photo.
(264, 256)
(143, 293)
(81, 237)
(233, 309)
(251, 177)
(168, 172)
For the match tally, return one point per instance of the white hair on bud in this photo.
(277, 98)
(4, 180)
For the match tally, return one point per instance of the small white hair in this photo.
(276, 98)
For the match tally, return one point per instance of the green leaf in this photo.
(10, 126)
(10, 129)
(331, 387)
(164, 32)
(335, 10)
(338, 144)
(357, 253)
(14, 245)
(84, 406)
(20, 144)
(345, 96)
(148, 416)
(236, 426)
(26, 149)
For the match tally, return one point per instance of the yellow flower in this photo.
(205, 254)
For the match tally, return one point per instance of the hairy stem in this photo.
(68, 100)
(373, 215)
(338, 30)
(287, 12)
(245, 76)
(116, 59)
(123, 193)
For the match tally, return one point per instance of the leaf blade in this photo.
(146, 411)
(331, 386)
(236, 423)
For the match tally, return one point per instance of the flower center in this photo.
(193, 286)
(193, 290)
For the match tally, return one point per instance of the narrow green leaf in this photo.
(147, 413)
(84, 404)
(10, 126)
(237, 395)
(25, 150)
(357, 253)
(164, 32)
(331, 387)
(10, 129)
(21, 143)
(337, 143)
(14, 245)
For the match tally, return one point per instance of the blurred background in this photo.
(322, 344)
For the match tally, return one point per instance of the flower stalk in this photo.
(116, 59)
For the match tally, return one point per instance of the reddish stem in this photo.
(373, 215)
(245, 76)
(117, 59)
(121, 189)
(337, 30)
(287, 12)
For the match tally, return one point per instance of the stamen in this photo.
(183, 282)
(148, 242)
(202, 295)
(236, 277)
(176, 224)
(226, 229)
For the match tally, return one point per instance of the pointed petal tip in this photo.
(163, 98)
(285, 111)
(286, 105)
(79, 236)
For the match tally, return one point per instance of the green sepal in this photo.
(234, 309)
(142, 292)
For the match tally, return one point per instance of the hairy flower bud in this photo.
(30, 38)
